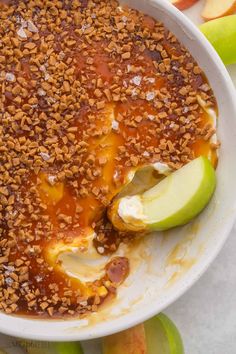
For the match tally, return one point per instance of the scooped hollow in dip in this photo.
(92, 94)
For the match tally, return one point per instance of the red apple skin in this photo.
(131, 341)
(183, 4)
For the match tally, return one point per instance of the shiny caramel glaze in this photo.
(89, 93)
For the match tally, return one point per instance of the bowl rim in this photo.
(135, 317)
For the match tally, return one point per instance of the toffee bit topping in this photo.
(90, 91)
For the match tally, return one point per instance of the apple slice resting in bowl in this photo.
(174, 201)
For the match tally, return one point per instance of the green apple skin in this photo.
(36, 347)
(131, 341)
(194, 206)
(221, 33)
(68, 348)
(162, 336)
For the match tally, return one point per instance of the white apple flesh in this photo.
(216, 8)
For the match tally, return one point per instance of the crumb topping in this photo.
(88, 93)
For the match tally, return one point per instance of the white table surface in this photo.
(206, 314)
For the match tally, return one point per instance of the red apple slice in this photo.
(132, 341)
(216, 8)
(183, 4)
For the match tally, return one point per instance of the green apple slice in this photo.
(162, 336)
(174, 201)
(221, 33)
(158, 335)
(36, 347)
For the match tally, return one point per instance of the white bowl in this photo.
(164, 265)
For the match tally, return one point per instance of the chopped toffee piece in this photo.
(90, 92)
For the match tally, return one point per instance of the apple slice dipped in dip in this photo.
(98, 101)
(174, 201)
